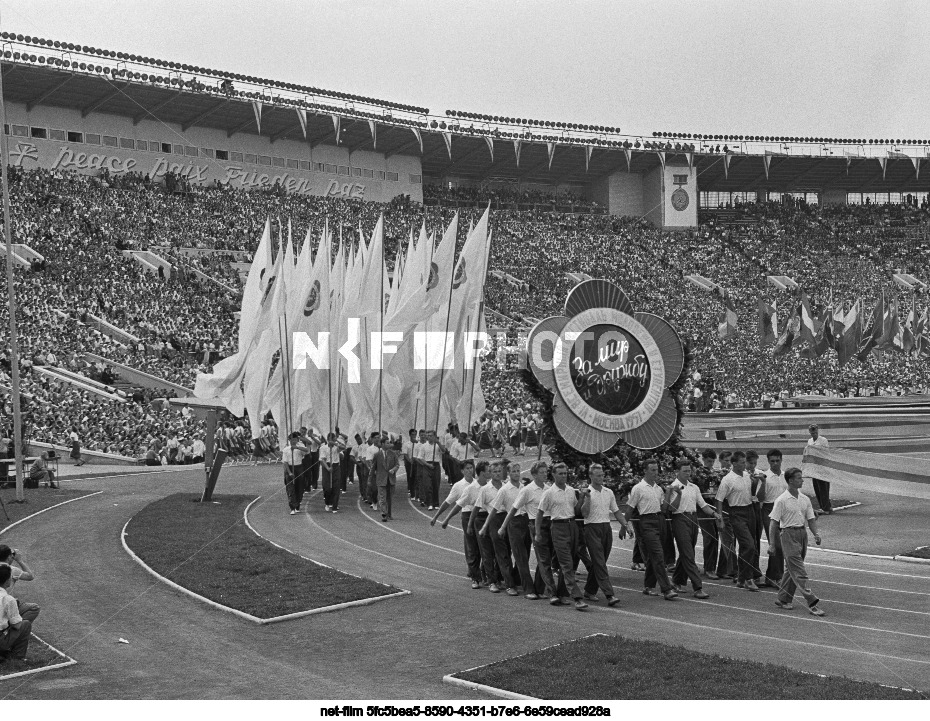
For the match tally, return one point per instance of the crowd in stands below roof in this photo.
(80, 223)
(506, 196)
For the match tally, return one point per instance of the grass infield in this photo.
(208, 549)
(617, 668)
(39, 655)
(921, 552)
(37, 499)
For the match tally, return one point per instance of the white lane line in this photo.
(46, 510)
(754, 635)
(819, 580)
(695, 625)
(381, 524)
(840, 568)
(383, 555)
(770, 613)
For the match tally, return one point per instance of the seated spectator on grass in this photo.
(20, 572)
(15, 631)
(40, 473)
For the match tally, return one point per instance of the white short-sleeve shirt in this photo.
(791, 512)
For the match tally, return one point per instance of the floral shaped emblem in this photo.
(609, 369)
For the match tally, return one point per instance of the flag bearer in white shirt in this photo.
(519, 525)
(481, 503)
(790, 517)
(736, 490)
(598, 504)
(293, 457)
(684, 500)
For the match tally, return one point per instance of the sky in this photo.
(834, 69)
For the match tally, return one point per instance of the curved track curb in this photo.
(243, 614)
(57, 505)
(323, 609)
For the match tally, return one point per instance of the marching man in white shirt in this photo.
(598, 504)
(790, 517)
(684, 500)
(465, 488)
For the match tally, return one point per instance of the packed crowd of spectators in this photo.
(183, 323)
(509, 197)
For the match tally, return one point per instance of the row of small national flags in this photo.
(835, 329)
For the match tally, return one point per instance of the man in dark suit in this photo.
(384, 464)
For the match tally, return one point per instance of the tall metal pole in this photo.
(14, 338)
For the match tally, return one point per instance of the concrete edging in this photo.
(494, 691)
(243, 614)
(323, 609)
(64, 664)
(452, 680)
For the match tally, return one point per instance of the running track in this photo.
(878, 627)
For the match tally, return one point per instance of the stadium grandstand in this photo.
(218, 281)
(140, 187)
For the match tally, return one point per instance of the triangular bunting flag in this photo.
(767, 161)
(516, 149)
(690, 157)
(337, 124)
(588, 149)
(884, 163)
(302, 117)
(374, 133)
(490, 141)
(448, 138)
(916, 162)
(848, 163)
(726, 165)
(257, 107)
(416, 133)
(661, 154)
(551, 146)
(629, 154)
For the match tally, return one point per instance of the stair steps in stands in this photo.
(136, 378)
(78, 381)
(151, 262)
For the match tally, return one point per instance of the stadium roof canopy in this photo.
(398, 127)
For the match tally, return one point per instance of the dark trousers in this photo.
(757, 537)
(411, 469)
(312, 470)
(668, 542)
(362, 470)
(371, 496)
(685, 530)
(454, 470)
(293, 485)
(650, 542)
(776, 565)
(822, 491)
(346, 470)
(518, 533)
(486, 548)
(428, 483)
(502, 552)
(15, 641)
(331, 486)
(545, 555)
(565, 542)
(472, 551)
(726, 560)
(598, 539)
(708, 528)
(744, 527)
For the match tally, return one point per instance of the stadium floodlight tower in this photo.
(14, 343)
